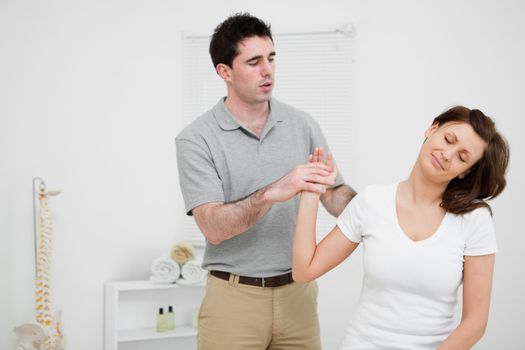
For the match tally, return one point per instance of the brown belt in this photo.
(274, 281)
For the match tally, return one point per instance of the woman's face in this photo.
(450, 150)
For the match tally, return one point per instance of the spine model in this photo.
(52, 325)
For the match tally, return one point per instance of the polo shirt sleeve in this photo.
(480, 238)
(350, 222)
(318, 140)
(198, 177)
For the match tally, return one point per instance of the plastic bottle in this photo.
(195, 320)
(161, 322)
(170, 319)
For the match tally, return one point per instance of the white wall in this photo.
(90, 100)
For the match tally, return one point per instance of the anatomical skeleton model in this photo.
(48, 327)
(43, 302)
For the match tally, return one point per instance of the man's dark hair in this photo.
(228, 34)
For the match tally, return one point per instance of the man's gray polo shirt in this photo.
(221, 161)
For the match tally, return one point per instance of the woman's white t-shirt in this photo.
(409, 288)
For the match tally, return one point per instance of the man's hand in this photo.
(221, 221)
(312, 177)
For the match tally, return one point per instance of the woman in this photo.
(421, 239)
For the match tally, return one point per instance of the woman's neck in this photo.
(420, 191)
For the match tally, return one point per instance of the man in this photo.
(241, 166)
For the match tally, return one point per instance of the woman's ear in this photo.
(431, 130)
(463, 174)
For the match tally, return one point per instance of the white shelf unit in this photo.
(131, 309)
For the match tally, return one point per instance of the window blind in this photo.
(313, 73)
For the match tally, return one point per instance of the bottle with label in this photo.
(161, 322)
(170, 319)
(195, 320)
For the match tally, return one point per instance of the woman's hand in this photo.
(317, 157)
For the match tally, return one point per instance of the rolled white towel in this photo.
(191, 273)
(164, 270)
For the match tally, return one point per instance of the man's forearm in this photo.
(336, 199)
(219, 221)
(224, 221)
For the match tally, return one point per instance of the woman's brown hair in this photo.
(485, 179)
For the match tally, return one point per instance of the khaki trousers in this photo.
(236, 316)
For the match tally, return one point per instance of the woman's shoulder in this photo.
(474, 223)
(479, 232)
(379, 191)
(477, 217)
(481, 212)
(375, 197)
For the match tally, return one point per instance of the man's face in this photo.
(251, 76)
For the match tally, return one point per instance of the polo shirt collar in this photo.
(227, 122)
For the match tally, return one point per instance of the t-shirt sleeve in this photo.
(199, 181)
(480, 235)
(350, 221)
(318, 140)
